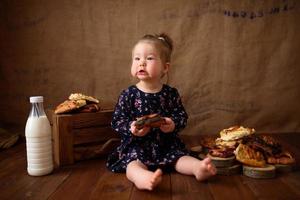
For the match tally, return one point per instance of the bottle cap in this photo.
(36, 99)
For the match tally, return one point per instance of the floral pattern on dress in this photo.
(156, 149)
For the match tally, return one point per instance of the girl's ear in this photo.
(166, 67)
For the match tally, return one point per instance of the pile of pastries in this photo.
(238, 145)
(78, 102)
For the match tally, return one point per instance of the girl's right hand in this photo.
(138, 132)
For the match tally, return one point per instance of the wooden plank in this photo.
(93, 135)
(102, 117)
(91, 180)
(230, 187)
(40, 187)
(17, 184)
(56, 143)
(162, 191)
(64, 136)
(82, 120)
(15, 151)
(291, 179)
(12, 164)
(269, 188)
(290, 142)
(95, 150)
(50, 115)
(81, 182)
(70, 130)
(112, 186)
(187, 187)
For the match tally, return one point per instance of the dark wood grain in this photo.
(187, 187)
(82, 120)
(112, 186)
(63, 150)
(269, 188)
(93, 135)
(17, 184)
(91, 179)
(81, 182)
(162, 191)
(292, 181)
(230, 187)
(84, 129)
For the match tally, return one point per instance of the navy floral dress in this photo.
(156, 149)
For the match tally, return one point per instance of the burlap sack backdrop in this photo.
(234, 63)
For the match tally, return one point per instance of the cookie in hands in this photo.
(152, 120)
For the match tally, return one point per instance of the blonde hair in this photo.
(162, 42)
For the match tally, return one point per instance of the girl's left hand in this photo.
(168, 126)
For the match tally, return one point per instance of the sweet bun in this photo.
(235, 132)
(229, 143)
(249, 156)
(152, 120)
(284, 158)
(78, 102)
(79, 96)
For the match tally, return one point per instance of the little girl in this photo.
(145, 153)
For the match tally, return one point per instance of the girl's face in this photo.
(146, 63)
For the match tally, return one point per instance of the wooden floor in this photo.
(91, 180)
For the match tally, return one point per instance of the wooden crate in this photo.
(81, 136)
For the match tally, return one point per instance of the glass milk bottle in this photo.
(38, 140)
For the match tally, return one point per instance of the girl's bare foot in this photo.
(204, 169)
(156, 178)
(149, 180)
(143, 179)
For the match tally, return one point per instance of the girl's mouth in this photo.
(141, 72)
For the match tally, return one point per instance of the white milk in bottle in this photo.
(38, 140)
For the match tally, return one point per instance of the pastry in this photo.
(262, 144)
(208, 143)
(69, 105)
(229, 144)
(221, 156)
(249, 156)
(152, 120)
(221, 152)
(284, 158)
(79, 96)
(235, 132)
(78, 102)
(90, 108)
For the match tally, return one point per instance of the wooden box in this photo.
(81, 136)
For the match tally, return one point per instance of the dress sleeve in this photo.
(121, 118)
(178, 115)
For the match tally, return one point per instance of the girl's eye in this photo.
(136, 58)
(150, 58)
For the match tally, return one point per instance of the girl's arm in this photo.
(178, 114)
(121, 119)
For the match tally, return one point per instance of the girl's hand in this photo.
(139, 132)
(168, 126)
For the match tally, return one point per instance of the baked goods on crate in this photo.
(78, 102)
